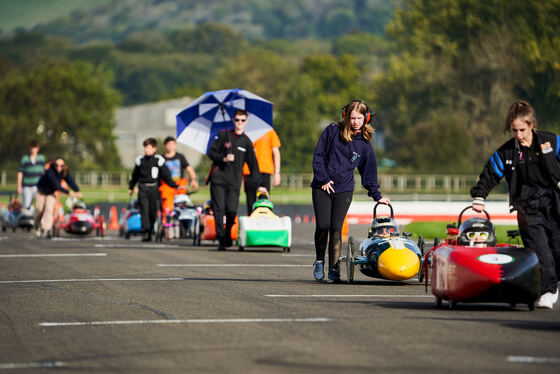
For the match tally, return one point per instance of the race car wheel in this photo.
(452, 304)
(350, 260)
(421, 244)
(3, 228)
(531, 306)
(438, 302)
(127, 236)
(241, 248)
(196, 232)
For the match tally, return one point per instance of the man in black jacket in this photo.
(530, 163)
(148, 170)
(229, 151)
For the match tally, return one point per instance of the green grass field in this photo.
(431, 230)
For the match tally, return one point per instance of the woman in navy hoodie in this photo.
(342, 147)
(48, 184)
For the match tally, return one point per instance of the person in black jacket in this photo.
(530, 163)
(342, 147)
(49, 183)
(229, 151)
(148, 170)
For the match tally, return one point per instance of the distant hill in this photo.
(29, 13)
(115, 20)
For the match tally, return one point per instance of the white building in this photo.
(151, 120)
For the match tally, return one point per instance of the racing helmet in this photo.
(477, 232)
(383, 227)
(79, 205)
(182, 199)
(263, 201)
(207, 207)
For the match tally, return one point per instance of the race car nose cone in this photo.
(398, 264)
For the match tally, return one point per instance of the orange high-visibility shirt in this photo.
(263, 150)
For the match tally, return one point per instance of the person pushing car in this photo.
(530, 163)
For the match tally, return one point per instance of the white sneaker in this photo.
(546, 301)
(555, 296)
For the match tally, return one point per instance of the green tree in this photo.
(297, 125)
(441, 144)
(339, 79)
(470, 59)
(262, 72)
(68, 107)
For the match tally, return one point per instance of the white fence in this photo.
(389, 183)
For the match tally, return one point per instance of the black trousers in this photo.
(330, 211)
(149, 204)
(251, 189)
(539, 224)
(225, 201)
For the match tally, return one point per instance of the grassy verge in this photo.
(120, 194)
(431, 230)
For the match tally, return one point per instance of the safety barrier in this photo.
(390, 183)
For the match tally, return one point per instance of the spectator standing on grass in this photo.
(342, 147)
(530, 162)
(30, 169)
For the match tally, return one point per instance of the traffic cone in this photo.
(113, 220)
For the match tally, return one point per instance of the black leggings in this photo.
(330, 211)
(539, 225)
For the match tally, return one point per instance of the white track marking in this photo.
(92, 280)
(29, 365)
(233, 265)
(137, 245)
(173, 321)
(534, 360)
(56, 255)
(352, 296)
(296, 255)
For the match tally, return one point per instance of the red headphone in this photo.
(369, 113)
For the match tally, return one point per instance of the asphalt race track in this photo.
(89, 305)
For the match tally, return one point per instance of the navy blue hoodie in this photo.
(336, 160)
(50, 182)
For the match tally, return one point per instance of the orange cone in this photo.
(113, 220)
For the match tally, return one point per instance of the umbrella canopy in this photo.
(204, 118)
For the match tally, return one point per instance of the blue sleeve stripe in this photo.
(498, 161)
(496, 168)
(557, 146)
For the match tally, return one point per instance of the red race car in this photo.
(469, 266)
(80, 221)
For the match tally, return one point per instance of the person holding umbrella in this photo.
(530, 163)
(229, 151)
(342, 147)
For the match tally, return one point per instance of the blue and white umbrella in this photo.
(204, 118)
